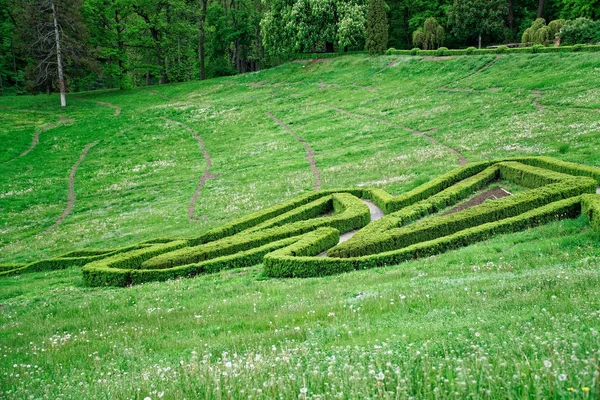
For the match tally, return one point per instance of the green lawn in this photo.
(514, 317)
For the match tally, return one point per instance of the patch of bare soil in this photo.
(205, 176)
(71, 201)
(439, 58)
(310, 154)
(492, 194)
(323, 85)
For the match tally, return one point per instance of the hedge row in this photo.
(282, 264)
(557, 186)
(525, 175)
(71, 259)
(442, 51)
(433, 204)
(162, 261)
(245, 241)
(355, 215)
(591, 208)
(106, 274)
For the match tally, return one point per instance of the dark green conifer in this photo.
(377, 27)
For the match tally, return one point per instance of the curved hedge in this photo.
(291, 238)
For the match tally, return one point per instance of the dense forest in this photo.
(92, 44)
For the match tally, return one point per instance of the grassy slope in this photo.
(485, 318)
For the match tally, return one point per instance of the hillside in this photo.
(116, 168)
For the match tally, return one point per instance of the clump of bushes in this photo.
(580, 31)
(431, 36)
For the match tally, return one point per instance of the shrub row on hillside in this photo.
(550, 186)
(301, 226)
(246, 249)
(285, 264)
(442, 51)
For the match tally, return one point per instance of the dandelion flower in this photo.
(547, 363)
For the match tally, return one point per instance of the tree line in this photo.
(74, 45)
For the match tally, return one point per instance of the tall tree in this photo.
(477, 18)
(56, 37)
(377, 27)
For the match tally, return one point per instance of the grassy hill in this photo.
(516, 316)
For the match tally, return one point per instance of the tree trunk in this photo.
(480, 40)
(14, 57)
(406, 27)
(540, 8)
(61, 79)
(511, 17)
(202, 41)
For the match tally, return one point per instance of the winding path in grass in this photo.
(104, 103)
(36, 137)
(461, 159)
(205, 176)
(71, 201)
(158, 94)
(310, 154)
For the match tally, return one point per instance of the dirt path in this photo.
(71, 201)
(489, 64)
(390, 65)
(461, 159)
(104, 103)
(205, 176)
(537, 98)
(36, 137)
(158, 94)
(310, 154)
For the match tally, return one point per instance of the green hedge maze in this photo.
(328, 232)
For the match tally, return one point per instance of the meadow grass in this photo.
(514, 317)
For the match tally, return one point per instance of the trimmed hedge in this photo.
(281, 264)
(301, 227)
(591, 208)
(355, 215)
(165, 261)
(71, 259)
(557, 186)
(499, 50)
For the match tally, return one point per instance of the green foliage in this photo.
(377, 27)
(471, 19)
(431, 36)
(580, 31)
(591, 208)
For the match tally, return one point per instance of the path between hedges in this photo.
(310, 154)
(461, 159)
(376, 213)
(71, 201)
(205, 176)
